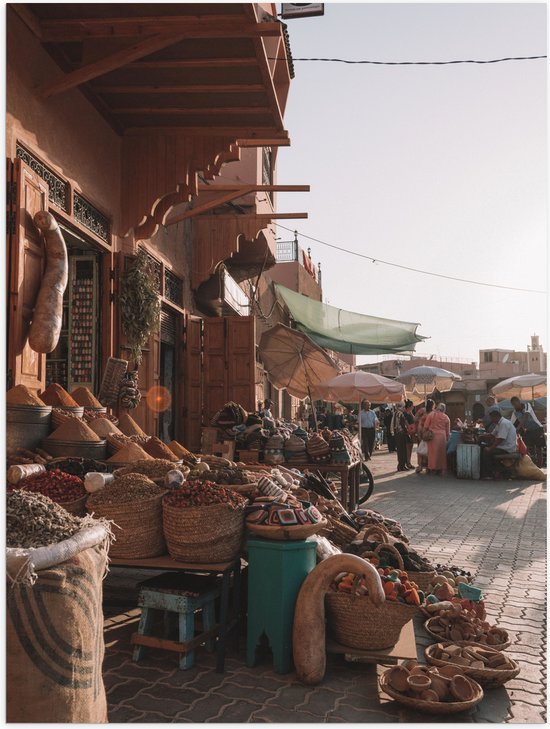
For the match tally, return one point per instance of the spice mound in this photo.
(152, 467)
(58, 486)
(34, 520)
(74, 430)
(103, 427)
(83, 396)
(129, 453)
(129, 488)
(203, 493)
(157, 449)
(57, 396)
(128, 425)
(21, 395)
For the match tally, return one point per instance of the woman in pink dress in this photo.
(440, 425)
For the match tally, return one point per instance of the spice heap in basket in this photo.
(33, 520)
(61, 487)
(431, 689)
(203, 522)
(465, 625)
(134, 503)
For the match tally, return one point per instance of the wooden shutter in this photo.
(192, 385)
(241, 361)
(214, 365)
(28, 194)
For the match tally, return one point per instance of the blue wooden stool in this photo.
(166, 593)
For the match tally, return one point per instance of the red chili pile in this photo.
(203, 493)
(59, 486)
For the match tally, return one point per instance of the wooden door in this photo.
(191, 384)
(241, 361)
(214, 367)
(28, 194)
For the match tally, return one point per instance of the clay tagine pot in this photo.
(419, 682)
(397, 678)
(461, 688)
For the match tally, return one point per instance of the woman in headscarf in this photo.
(440, 425)
(421, 416)
(400, 432)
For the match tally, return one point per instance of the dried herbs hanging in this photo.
(139, 303)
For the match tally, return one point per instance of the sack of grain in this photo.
(55, 644)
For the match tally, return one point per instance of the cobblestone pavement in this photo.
(497, 530)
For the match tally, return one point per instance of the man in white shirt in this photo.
(529, 426)
(503, 441)
(369, 423)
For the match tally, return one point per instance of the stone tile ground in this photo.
(497, 530)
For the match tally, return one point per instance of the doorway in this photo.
(168, 364)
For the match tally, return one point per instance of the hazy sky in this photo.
(437, 167)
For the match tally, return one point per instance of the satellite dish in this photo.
(505, 358)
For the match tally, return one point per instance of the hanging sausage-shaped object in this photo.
(308, 635)
(48, 309)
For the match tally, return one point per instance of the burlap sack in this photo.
(55, 644)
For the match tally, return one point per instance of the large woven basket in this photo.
(285, 533)
(489, 678)
(357, 623)
(422, 579)
(203, 534)
(140, 534)
(432, 707)
(77, 507)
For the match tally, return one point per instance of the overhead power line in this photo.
(413, 63)
(372, 259)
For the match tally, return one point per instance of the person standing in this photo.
(440, 425)
(368, 421)
(390, 438)
(420, 424)
(401, 435)
(529, 427)
(411, 429)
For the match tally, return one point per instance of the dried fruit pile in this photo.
(396, 584)
(77, 466)
(127, 489)
(34, 520)
(221, 476)
(203, 493)
(59, 486)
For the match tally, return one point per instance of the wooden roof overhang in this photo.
(185, 85)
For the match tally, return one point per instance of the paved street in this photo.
(497, 530)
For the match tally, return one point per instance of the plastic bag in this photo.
(422, 449)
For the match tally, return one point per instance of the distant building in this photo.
(498, 364)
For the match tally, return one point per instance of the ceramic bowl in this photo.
(419, 682)
(397, 677)
(461, 688)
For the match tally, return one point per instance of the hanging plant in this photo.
(139, 303)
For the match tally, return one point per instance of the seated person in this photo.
(502, 439)
(490, 404)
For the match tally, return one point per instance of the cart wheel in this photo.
(366, 480)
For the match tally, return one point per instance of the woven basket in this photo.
(385, 548)
(432, 707)
(357, 623)
(422, 579)
(440, 639)
(285, 533)
(489, 678)
(140, 534)
(203, 534)
(77, 507)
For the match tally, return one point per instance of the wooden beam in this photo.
(250, 133)
(109, 63)
(207, 110)
(268, 82)
(183, 63)
(178, 89)
(263, 142)
(222, 26)
(264, 216)
(211, 204)
(257, 188)
(28, 17)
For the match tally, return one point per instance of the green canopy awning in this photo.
(346, 331)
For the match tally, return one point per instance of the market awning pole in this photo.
(309, 394)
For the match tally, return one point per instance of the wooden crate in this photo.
(249, 456)
(209, 437)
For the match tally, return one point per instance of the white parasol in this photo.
(523, 386)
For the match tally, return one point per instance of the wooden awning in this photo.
(185, 85)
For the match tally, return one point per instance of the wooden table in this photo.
(350, 476)
(225, 569)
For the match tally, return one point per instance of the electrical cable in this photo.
(409, 268)
(412, 63)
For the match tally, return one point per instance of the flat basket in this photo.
(139, 534)
(285, 533)
(489, 678)
(440, 638)
(203, 534)
(432, 707)
(357, 623)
